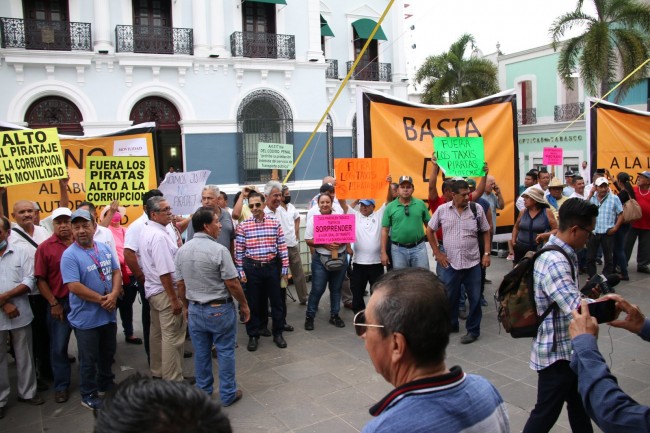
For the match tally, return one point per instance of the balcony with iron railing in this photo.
(45, 35)
(332, 70)
(263, 45)
(527, 116)
(371, 71)
(568, 112)
(153, 40)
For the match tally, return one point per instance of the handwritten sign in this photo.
(460, 156)
(553, 156)
(361, 177)
(30, 155)
(329, 229)
(121, 178)
(275, 155)
(183, 190)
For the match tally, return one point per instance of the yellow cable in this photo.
(338, 92)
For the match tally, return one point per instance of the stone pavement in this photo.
(324, 381)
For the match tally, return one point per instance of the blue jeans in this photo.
(59, 338)
(214, 325)
(620, 259)
(415, 257)
(96, 348)
(471, 279)
(320, 277)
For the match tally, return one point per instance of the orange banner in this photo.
(620, 139)
(403, 132)
(358, 178)
(75, 151)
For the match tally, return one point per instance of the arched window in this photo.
(169, 144)
(263, 117)
(55, 112)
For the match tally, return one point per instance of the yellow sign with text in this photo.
(121, 178)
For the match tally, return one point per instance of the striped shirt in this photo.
(262, 241)
(608, 210)
(553, 282)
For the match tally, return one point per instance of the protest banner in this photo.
(75, 151)
(121, 178)
(183, 190)
(460, 156)
(402, 131)
(335, 228)
(553, 156)
(275, 155)
(30, 155)
(619, 138)
(358, 178)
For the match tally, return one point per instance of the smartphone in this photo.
(604, 311)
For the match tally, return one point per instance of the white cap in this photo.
(61, 211)
(601, 180)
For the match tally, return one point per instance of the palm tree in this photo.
(616, 37)
(452, 78)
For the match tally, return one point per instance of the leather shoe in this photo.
(348, 305)
(264, 332)
(187, 354)
(190, 380)
(34, 401)
(288, 328)
(238, 396)
(133, 340)
(61, 396)
(643, 269)
(467, 339)
(252, 344)
(309, 324)
(279, 341)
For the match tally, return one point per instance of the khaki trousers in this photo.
(166, 339)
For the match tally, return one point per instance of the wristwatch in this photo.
(486, 254)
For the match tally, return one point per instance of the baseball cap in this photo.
(81, 213)
(61, 211)
(569, 173)
(367, 202)
(471, 183)
(645, 174)
(601, 180)
(408, 179)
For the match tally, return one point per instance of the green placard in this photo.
(275, 155)
(460, 156)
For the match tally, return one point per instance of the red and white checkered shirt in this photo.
(262, 241)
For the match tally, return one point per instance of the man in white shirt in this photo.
(293, 243)
(529, 180)
(578, 188)
(584, 172)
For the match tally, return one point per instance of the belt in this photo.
(221, 301)
(415, 244)
(258, 264)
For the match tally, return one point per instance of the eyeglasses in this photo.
(360, 324)
(406, 210)
(589, 232)
(164, 210)
(254, 205)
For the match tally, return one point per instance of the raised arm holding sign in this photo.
(460, 156)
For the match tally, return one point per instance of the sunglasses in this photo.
(360, 324)
(164, 210)
(254, 205)
(406, 210)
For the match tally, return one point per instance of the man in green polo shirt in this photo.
(405, 219)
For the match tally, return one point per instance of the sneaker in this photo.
(92, 402)
(309, 324)
(510, 257)
(336, 321)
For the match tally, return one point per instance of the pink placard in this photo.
(553, 156)
(329, 229)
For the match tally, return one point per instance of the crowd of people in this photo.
(74, 270)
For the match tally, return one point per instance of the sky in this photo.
(516, 24)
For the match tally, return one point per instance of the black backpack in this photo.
(516, 306)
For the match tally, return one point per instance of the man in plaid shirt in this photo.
(610, 218)
(556, 280)
(259, 243)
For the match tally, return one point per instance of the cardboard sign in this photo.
(30, 156)
(121, 178)
(553, 156)
(183, 190)
(358, 178)
(460, 156)
(329, 229)
(275, 155)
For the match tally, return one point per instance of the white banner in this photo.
(183, 190)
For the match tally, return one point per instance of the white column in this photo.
(102, 32)
(397, 28)
(217, 28)
(314, 52)
(199, 26)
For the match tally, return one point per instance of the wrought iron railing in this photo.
(262, 45)
(332, 69)
(154, 40)
(45, 35)
(371, 71)
(568, 112)
(527, 116)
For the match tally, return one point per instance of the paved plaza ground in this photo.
(324, 381)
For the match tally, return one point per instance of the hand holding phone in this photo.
(604, 310)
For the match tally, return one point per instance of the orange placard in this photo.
(358, 178)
